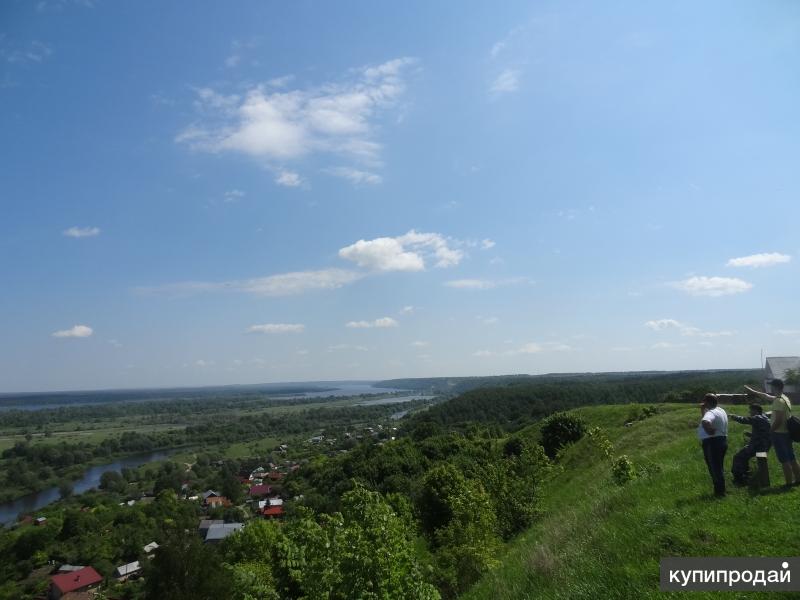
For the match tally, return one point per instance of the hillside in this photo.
(597, 539)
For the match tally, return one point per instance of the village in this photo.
(253, 492)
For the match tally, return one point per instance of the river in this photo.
(9, 511)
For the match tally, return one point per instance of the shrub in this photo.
(623, 470)
(600, 442)
(559, 430)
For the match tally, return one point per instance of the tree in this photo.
(65, 489)
(183, 567)
(559, 430)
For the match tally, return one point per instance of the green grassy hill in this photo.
(598, 539)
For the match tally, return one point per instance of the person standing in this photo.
(781, 411)
(713, 434)
(759, 442)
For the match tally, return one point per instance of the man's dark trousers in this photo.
(714, 449)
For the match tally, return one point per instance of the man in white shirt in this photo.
(713, 434)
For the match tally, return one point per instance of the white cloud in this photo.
(278, 125)
(33, 52)
(713, 286)
(403, 253)
(284, 284)
(233, 196)
(78, 331)
(684, 329)
(787, 331)
(483, 353)
(505, 82)
(407, 310)
(115, 343)
(203, 363)
(381, 323)
(666, 346)
(340, 347)
(277, 328)
(484, 284)
(489, 320)
(420, 344)
(754, 261)
(355, 176)
(80, 232)
(288, 178)
(487, 244)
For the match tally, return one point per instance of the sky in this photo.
(198, 193)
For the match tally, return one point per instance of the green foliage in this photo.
(559, 430)
(623, 470)
(792, 377)
(186, 568)
(600, 442)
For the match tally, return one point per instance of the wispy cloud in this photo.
(277, 328)
(284, 284)
(288, 178)
(713, 286)
(345, 347)
(32, 52)
(382, 323)
(507, 81)
(233, 196)
(78, 331)
(407, 252)
(484, 284)
(356, 176)
(684, 329)
(279, 125)
(755, 261)
(81, 232)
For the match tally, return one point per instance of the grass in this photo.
(601, 540)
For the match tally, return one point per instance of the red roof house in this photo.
(273, 512)
(260, 490)
(76, 581)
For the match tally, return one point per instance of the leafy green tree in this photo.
(183, 567)
(559, 430)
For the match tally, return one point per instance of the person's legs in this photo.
(740, 468)
(707, 456)
(785, 455)
(718, 446)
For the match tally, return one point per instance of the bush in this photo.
(559, 430)
(623, 470)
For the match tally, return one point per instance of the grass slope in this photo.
(601, 540)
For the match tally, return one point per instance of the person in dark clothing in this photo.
(759, 442)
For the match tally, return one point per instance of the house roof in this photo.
(777, 366)
(220, 531)
(260, 490)
(124, 570)
(273, 511)
(206, 523)
(150, 547)
(70, 568)
(76, 580)
(209, 493)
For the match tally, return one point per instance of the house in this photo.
(124, 572)
(150, 548)
(75, 581)
(276, 501)
(215, 501)
(273, 512)
(219, 531)
(258, 491)
(210, 494)
(70, 568)
(40, 521)
(205, 524)
(275, 475)
(776, 368)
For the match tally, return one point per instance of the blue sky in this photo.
(196, 194)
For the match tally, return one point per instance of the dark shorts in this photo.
(783, 447)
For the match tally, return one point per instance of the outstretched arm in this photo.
(759, 394)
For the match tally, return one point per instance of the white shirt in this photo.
(718, 419)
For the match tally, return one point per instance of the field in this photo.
(602, 540)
